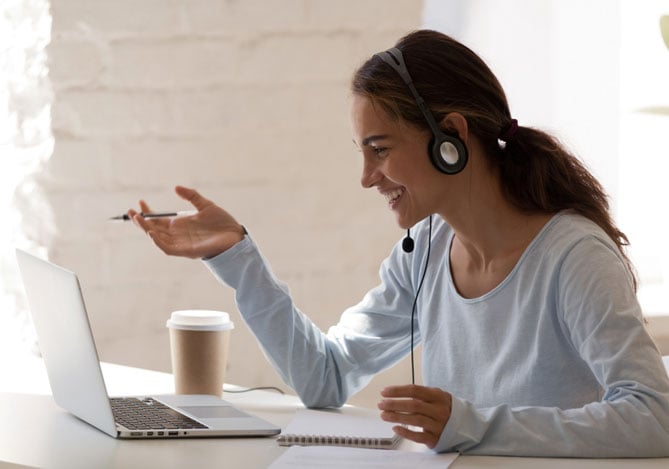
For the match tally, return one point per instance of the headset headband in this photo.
(394, 58)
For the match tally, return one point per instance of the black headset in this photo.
(448, 154)
(447, 151)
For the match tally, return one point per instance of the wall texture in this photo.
(248, 102)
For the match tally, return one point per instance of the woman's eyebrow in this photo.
(372, 138)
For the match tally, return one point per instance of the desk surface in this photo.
(35, 432)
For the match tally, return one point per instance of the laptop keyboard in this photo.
(149, 414)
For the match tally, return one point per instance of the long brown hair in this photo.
(537, 174)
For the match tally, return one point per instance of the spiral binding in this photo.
(332, 440)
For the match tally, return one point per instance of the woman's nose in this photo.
(370, 175)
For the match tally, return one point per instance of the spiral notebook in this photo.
(334, 428)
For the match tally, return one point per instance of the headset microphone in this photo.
(407, 243)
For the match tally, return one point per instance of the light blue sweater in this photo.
(554, 361)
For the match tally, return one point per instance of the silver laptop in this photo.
(77, 384)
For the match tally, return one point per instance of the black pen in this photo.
(183, 213)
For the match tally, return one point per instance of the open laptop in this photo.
(77, 384)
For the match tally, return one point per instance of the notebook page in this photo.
(332, 423)
(331, 457)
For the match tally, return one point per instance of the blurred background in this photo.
(104, 103)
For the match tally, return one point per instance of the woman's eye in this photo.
(381, 151)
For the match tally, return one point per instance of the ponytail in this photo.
(539, 175)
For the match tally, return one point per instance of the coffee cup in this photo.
(199, 342)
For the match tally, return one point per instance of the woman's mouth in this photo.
(393, 197)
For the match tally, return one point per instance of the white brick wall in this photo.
(248, 102)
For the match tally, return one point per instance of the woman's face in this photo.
(395, 161)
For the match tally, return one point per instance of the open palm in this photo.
(207, 233)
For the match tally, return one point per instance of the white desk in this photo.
(34, 432)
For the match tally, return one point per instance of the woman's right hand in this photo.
(205, 234)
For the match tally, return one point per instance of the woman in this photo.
(533, 340)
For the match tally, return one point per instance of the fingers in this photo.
(410, 412)
(412, 391)
(161, 239)
(423, 407)
(193, 197)
(162, 242)
(416, 400)
(144, 207)
(139, 220)
(428, 439)
(144, 223)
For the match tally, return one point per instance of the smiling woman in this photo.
(25, 140)
(524, 297)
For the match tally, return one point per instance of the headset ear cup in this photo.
(448, 153)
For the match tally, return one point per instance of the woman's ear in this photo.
(455, 122)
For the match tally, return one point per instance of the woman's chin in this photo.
(405, 223)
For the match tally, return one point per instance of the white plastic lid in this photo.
(200, 320)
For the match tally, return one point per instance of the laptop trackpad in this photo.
(213, 412)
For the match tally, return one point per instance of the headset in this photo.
(448, 154)
(447, 151)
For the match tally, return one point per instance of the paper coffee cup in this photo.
(199, 342)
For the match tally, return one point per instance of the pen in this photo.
(184, 213)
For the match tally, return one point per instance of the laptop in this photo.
(73, 367)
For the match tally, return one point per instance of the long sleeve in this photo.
(554, 361)
(323, 368)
